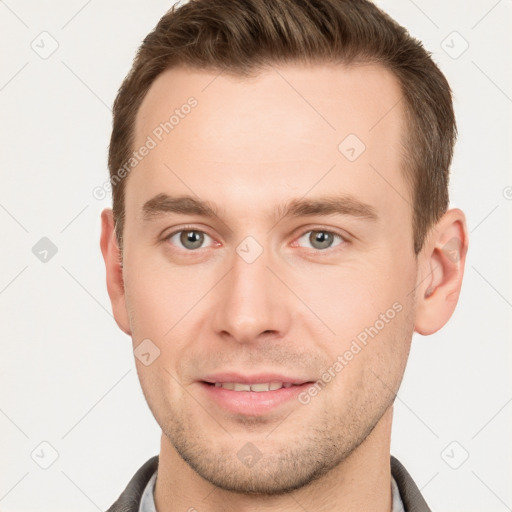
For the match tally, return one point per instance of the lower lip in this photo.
(252, 403)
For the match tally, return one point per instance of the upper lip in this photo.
(252, 379)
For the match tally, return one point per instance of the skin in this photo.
(249, 146)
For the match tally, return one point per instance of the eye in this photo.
(190, 239)
(321, 239)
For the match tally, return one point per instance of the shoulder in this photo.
(411, 496)
(129, 499)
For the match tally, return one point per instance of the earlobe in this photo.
(441, 272)
(114, 270)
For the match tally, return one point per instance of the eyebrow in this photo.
(163, 204)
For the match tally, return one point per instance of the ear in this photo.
(441, 271)
(114, 270)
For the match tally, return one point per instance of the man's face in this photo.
(259, 293)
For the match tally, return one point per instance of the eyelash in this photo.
(337, 236)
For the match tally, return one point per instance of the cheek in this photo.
(165, 307)
(159, 296)
(158, 313)
(370, 307)
(369, 361)
(352, 297)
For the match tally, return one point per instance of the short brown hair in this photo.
(241, 37)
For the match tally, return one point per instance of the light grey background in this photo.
(67, 374)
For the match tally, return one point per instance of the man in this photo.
(280, 228)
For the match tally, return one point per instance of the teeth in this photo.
(266, 386)
(259, 387)
(242, 387)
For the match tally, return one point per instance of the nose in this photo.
(250, 302)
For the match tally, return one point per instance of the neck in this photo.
(361, 482)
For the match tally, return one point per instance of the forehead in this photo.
(280, 131)
(334, 97)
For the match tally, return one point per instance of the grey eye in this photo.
(189, 239)
(320, 239)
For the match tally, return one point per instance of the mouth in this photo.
(253, 398)
(257, 387)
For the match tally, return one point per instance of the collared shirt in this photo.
(147, 503)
